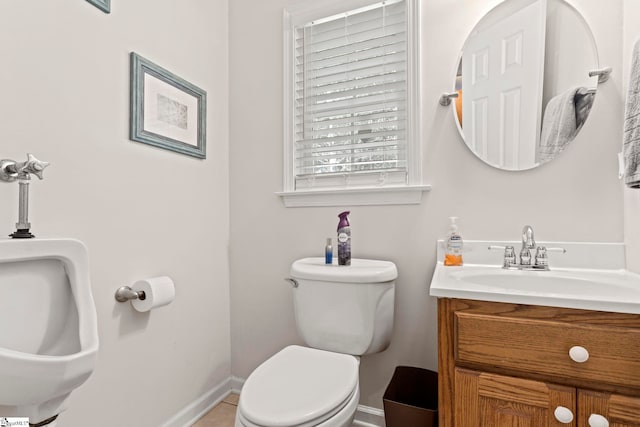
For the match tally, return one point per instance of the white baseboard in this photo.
(365, 415)
(236, 384)
(196, 409)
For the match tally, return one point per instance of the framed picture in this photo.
(104, 5)
(166, 111)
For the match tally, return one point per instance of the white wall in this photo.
(141, 211)
(631, 196)
(577, 197)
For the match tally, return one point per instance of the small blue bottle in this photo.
(328, 252)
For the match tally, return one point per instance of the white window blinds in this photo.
(351, 99)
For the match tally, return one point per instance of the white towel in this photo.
(558, 125)
(632, 123)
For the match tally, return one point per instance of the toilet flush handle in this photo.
(293, 282)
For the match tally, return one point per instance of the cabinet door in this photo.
(489, 400)
(598, 409)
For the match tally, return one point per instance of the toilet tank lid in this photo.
(360, 271)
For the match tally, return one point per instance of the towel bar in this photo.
(445, 99)
(602, 73)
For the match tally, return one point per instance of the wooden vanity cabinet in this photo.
(619, 410)
(513, 365)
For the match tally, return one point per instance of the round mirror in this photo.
(523, 82)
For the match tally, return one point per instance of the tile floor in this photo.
(222, 415)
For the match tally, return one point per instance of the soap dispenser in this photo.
(453, 245)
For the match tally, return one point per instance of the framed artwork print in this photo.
(166, 110)
(104, 5)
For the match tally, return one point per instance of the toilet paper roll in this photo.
(158, 291)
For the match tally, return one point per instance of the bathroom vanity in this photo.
(504, 364)
(521, 347)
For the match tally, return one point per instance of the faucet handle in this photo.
(560, 250)
(509, 255)
(541, 257)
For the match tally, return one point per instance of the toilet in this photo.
(341, 312)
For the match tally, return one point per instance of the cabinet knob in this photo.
(563, 415)
(579, 354)
(596, 420)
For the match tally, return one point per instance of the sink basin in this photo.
(595, 283)
(572, 286)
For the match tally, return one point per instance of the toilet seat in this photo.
(299, 386)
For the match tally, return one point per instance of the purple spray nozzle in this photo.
(344, 220)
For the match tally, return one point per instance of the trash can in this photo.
(411, 398)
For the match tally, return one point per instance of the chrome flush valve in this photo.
(10, 171)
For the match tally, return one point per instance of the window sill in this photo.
(405, 195)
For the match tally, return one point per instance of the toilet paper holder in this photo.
(125, 293)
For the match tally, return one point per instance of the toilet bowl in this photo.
(341, 313)
(302, 387)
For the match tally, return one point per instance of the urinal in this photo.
(48, 326)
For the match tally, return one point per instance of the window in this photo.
(351, 103)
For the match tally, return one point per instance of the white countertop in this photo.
(588, 276)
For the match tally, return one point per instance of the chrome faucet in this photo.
(528, 243)
(540, 260)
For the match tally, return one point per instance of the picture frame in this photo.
(166, 111)
(103, 5)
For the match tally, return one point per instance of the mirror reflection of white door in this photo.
(502, 82)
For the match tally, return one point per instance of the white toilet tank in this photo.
(344, 309)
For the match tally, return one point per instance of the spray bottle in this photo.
(344, 239)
